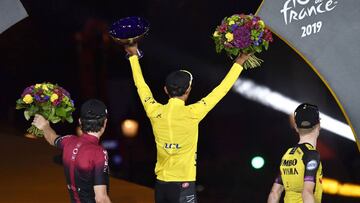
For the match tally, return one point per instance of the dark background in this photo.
(66, 42)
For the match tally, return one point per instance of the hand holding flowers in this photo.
(49, 100)
(243, 34)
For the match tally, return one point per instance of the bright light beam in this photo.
(277, 101)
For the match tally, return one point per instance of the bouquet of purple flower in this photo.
(241, 33)
(51, 101)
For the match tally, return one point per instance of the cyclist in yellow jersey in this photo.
(300, 167)
(175, 126)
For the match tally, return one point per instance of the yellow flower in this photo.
(231, 22)
(54, 97)
(216, 34)
(28, 99)
(45, 87)
(261, 23)
(37, 86)
(229, 36)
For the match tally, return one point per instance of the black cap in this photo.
(93, 109)
(306, 115)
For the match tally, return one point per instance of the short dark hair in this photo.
(178, 82)
(92, 125)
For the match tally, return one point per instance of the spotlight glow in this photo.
(277, 101)
(257, 162)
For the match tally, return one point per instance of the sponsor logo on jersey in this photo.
(172, 146)
(286, 162)
(311, 165)
(289, 171)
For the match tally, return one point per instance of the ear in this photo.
(296, 129)
(188, 90)
(166, 91)
(79, 122)
(105, 122)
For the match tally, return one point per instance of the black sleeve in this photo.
(278, 179)
(311, 161)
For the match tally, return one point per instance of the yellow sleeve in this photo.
(202, 107)
(143, 89)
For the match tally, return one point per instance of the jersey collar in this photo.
(90, 138)
(176, 101)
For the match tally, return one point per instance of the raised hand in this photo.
(242, 58)
(40, 122)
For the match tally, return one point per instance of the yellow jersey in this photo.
(299, 164)
(175, 125)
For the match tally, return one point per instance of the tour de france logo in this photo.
(298, 10)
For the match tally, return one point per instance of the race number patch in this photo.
(311, 165)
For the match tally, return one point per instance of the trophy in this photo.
(129, 30)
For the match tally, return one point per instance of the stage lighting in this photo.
(257, 162)
(130, 128)
(277, 101)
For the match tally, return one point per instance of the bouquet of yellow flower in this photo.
(51, 101)
(241, 33)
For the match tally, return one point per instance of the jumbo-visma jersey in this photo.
(299, 164)
(175, 125)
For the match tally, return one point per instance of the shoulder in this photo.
(100, 153)
(65, 138)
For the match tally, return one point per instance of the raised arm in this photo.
(41, 123)
(202, 107)
(143, 89)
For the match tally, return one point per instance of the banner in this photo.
(11, 12)
(326, 34)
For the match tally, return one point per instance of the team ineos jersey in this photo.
(298, 165)
(85, 165)
(175, 125)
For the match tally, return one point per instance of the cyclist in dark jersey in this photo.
(300, 168)
(85, 161)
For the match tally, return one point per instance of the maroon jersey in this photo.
(85, 165)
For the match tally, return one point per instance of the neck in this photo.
(96, 134)
(308, 138)
(183, 97)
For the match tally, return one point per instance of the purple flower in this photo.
(242, 38)
(40, 97)
(233, 27)
(28, 90)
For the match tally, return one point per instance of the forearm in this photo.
(50, 135)
(308, 197)
(223, 88)
(273, 198)
(104, 199)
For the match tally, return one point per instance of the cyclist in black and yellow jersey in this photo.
(300, 167)
(175, 126)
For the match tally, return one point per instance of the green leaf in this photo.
(55, 119)
(61, 112)
(266, 44)
(69, 119)
(27, 115)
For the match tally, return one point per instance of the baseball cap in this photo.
(93, 109)
(306, 115)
